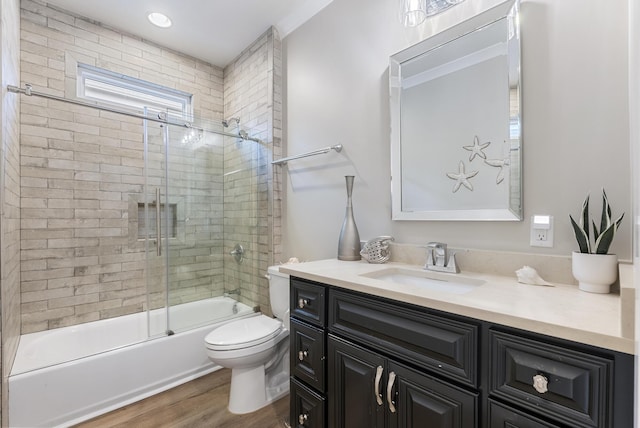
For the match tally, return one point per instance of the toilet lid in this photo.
(243, 333)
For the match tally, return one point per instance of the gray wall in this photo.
(634, 115)
(576, 128)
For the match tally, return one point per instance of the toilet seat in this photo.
(243, 333)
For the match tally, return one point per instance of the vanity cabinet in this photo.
(308, 354)
(364, 361)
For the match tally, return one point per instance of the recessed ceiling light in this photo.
(159, 19)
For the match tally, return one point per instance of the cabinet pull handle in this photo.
(540, 383)
(392, 379)
(302, 355)
(302, 418)
(379, 371)
(302, 303)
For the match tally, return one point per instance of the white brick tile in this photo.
(109, 156)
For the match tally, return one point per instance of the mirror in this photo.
(456, 146)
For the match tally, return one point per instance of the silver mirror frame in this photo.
(508, 10)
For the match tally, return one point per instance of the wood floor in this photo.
(199, 403)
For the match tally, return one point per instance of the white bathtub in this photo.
(67, 375)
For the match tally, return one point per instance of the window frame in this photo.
(116, 89)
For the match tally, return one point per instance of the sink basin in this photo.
(447, 283)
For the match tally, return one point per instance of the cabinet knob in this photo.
(302, 355)
(302, 418)
(302, 303)
(540, 383)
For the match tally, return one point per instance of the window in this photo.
(102, 85)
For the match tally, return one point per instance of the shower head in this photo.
(226, 122)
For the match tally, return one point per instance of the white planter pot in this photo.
(595, 272)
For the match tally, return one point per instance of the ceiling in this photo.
(215, 31)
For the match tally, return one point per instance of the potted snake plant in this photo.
(593, 266)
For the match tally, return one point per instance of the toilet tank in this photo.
(278, 291)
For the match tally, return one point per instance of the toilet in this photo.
(256, 349)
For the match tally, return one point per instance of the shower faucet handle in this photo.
(238, 253)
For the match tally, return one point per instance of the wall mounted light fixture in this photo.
(415, 12)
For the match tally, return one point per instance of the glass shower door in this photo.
(152, 218)
(185, 165)
(194, 224)
(207, 185)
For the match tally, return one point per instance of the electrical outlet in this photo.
(541, 231)
(540, 234)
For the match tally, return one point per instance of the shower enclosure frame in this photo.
(165, 121)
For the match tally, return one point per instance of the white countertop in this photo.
(561, 311)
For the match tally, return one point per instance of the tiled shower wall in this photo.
(9, 190)
(252, 92)
(81, 174)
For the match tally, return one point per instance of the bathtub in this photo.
(67, 375)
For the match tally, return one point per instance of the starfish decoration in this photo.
(477, 149)
(462, 178)
(499, 163)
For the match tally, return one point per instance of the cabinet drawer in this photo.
(572, 387)
(501, 416)
(307, 407)
(308, 301)
(446, 346)
(308, 356)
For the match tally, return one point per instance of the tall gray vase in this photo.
(349, 242)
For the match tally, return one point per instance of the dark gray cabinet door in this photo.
(407, 398)
(351, 392)
(423, 401)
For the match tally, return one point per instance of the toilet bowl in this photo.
(256, 349)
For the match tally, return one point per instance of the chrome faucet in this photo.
(236, 291)
(439, 260)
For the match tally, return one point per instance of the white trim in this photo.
(104, 86)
